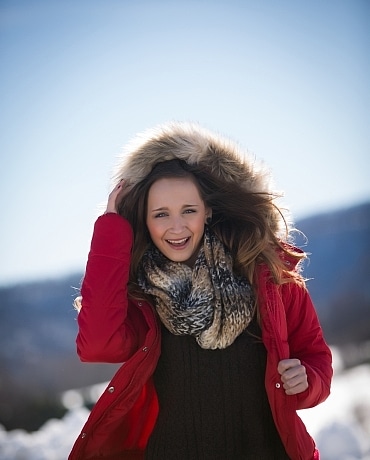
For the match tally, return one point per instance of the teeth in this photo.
(178, 241)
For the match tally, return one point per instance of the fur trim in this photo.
(195, 145)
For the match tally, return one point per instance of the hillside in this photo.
(339, 272)
(38, 323)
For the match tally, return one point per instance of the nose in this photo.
(177, 224)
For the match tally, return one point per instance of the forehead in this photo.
(174, 190)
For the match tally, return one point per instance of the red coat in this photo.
(114, 329)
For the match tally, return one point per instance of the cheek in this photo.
(154, 230)
(200, 225)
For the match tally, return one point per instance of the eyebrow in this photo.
(164, 208)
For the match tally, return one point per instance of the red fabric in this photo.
(115, 329)
(291, 329)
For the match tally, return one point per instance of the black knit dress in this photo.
(213, 403)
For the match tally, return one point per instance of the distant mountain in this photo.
(38, 324)
(339, 268)
(37, 352)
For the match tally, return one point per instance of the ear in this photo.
(208, 216)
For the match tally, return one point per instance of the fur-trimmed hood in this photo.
(195, 145)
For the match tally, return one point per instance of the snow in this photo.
(52, 442)
(340, 425)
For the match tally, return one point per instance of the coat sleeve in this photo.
(306, 342)
(106, 323)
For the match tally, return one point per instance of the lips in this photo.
(178, 243)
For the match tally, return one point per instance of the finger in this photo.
(294, 373)
(120, 185)
(291, 381)
(295, 380)
(117, 189)
(286, 364)
(296, 385)
(117, 195)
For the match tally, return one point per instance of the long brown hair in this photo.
(241, 220)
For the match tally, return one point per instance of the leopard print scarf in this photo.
(207, 301)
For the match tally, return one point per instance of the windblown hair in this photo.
(244, 214)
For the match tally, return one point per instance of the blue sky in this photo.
(288, 80)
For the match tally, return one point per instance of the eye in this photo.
(189, 211)
(160, 214)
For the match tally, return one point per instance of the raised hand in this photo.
(116, 195)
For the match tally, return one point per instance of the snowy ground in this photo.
(341, 425)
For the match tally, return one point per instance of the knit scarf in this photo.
(207, 301)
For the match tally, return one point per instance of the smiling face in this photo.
(176, 215)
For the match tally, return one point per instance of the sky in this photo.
(287, 80)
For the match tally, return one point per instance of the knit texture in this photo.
(208, 302)
(213, 404)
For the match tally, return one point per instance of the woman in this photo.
(192, 284)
